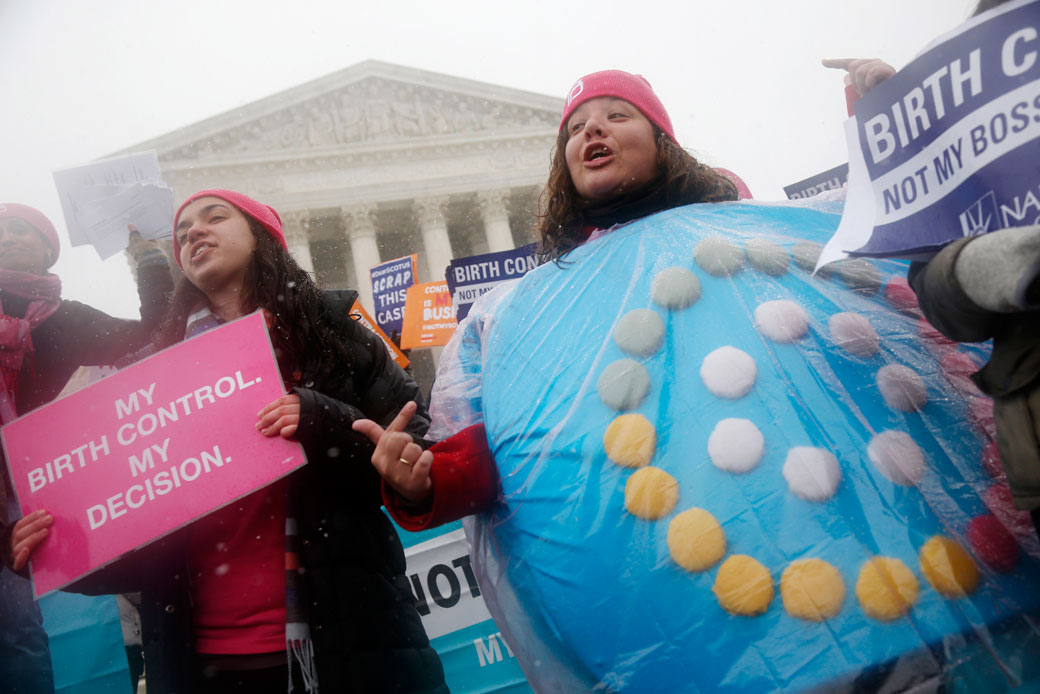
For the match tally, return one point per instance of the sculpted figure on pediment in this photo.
(379, 114)
(294, 132)
(436, 122)
(350, 119)
(321, 126)
(409, 118)
(463, 119)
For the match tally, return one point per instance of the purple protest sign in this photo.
(948, 146)
(390, 282)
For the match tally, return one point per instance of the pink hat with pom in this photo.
(634, 89)
(264, 215)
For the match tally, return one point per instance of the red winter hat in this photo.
(632, 88)
(265, 215)
(38, 220)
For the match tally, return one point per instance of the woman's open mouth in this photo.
(597, 155)
(200, 251)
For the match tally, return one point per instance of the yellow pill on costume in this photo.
(886, 588)
(948, 567)
(743, 586)
(651, 493)
(696, 540)
(812, 590)
(630, 440)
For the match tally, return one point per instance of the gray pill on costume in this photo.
(806, 253)
(675, 288)
(902, 388)
(639, 332)
(854, 334)
(767, 257)
(860, 275)
(719, 257)
(623, 384)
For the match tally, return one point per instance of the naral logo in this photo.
(976, 219)
(575, 91)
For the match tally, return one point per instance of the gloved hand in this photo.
(144, 251)
(1000, 271)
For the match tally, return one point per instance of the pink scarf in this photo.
(44, 295)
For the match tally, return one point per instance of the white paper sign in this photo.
(103, 199)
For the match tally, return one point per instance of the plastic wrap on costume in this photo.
(792, 487)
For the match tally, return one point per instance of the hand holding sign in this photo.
(27, 533)
(280, 417)
(398, 459)
(864, 73)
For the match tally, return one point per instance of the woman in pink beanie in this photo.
(616, 161)
(43, 340)
(299, 586)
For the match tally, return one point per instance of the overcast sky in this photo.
(741, 79)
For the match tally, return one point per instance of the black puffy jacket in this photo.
(367, 633)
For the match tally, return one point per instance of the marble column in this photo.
(436, 243)
(496, 219)
(297, 227)
(360, 223)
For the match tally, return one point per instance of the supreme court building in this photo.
(378, 161)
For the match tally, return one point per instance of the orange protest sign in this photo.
(358, 313)
(429, 317)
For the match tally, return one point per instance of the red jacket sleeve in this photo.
(465, 481)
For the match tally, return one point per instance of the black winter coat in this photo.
(1012, 374)
(367, 633)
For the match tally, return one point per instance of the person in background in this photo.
(43, 340)
(987, 288)
(301, 585)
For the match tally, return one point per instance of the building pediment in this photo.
(365, 107)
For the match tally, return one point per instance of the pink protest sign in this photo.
(148, 449)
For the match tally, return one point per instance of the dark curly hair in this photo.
(306, 346)
(682, 180)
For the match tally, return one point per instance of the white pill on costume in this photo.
(902, 388)
(854, 334)
(736, 445)
(812, 474)
(781, 321)
(729, 372)
(897, 457)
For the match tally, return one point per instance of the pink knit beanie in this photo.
(265, 215)
(38, 220)
(632, 88)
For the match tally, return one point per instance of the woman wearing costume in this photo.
(221, 609)
(43, 340)
(616, 161)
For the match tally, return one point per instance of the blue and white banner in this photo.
(475, 656)
(948, 147)
(390, 282)
(472, 277)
